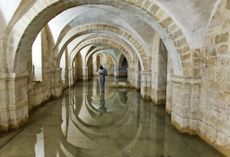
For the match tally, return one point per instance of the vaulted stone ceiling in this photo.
(191, 16)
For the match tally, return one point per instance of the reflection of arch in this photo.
(126, 118)
(82, 133)
(24, 37)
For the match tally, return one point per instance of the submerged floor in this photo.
(118, 123)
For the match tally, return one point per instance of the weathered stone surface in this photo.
(222, 49)
(197, 94)
(222, 38)
(228, 5)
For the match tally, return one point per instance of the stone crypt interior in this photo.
(167, 89)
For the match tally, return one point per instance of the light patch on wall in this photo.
(37, 58)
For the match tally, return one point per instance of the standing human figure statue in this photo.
(102, 72)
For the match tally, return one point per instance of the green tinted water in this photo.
(118, 123)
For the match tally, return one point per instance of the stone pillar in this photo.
(47, 75)
(71, 76)
(159, 71)
(116, 71)
(14, 100)
(133, 77)
(56, 83)
(185, 103)
(146, 84)
(133, 72)
(67, 67)
(95, 66)
(85, 74)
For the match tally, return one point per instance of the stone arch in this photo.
(122, 70)
(89, 28)
(96, 52)
(106, 42)
(21, 36)
(215, 68)
(119, 59)
(110, 63)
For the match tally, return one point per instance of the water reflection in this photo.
(102, 103)
(117, 123)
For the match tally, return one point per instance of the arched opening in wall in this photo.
(123, 67)
(37, 59)
(78, 67)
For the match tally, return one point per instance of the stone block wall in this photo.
(214, 124)
(199, 101)
(14, 104)
(37, 94)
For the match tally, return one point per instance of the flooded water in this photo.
(118, 123)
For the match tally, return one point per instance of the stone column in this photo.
(67, 67)
(47, 75)
(116, 71)
(95, 66)
(85, 74)
(159, 71)
(14, 100)
(71, 76)
(185, 103)
(133, 77)
(146, 84)
(133, 72)
(56, 83)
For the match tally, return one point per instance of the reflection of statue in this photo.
(102, 103)
(103, 72)
(123, 96)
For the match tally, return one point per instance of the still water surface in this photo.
(118, 123)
